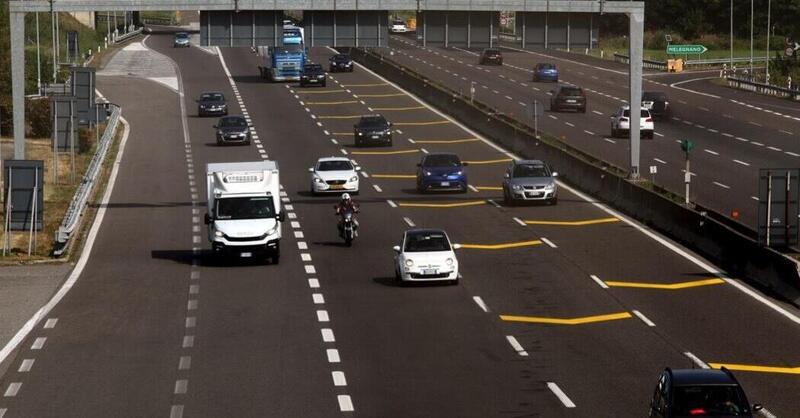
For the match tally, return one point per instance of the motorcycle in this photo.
(348, 227)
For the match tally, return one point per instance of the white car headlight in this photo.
(317, 179)
(550, 187)
(449, 261)
(354, 178)
(516, 187)
(428, 173)
(409, 263)
(360, 133)
(218, 234)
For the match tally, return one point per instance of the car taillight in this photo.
(697, 411)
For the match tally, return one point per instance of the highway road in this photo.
(566, 310)
(735, 133)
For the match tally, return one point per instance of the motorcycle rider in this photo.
(344, 205)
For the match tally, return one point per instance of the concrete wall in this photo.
(86, 18)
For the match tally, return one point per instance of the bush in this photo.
(6, 123)
(37, 113)
(85, 140)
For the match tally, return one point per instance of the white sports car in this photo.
(334, 175)
(426, 255)
(398, 26)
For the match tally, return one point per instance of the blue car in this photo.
(441, 171)
(545, 72)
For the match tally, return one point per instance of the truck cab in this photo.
(244, 211)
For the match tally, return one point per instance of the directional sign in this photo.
(686, 145)
(686, 49)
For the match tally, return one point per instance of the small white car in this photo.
(621, 125)
(334, 175)
(398, 26)
(426, 255)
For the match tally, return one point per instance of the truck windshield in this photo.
(245, 208)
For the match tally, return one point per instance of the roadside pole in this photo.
(686, 146)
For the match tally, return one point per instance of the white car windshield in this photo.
(425, 242)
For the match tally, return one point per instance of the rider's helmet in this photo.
(345, 197)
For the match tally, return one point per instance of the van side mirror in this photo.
(281, 216)
(396, 248)
(456, 246)
(207, 219)
(310, 169)
(358, 168)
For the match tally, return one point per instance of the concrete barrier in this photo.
(739, 255)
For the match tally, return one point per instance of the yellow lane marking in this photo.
(408, 151)
(332, 103)
(674, 286)
(382, 95)
(364, 85)
(437, 122)
(398, 108)
(574, 223)
(441, 205)
(343, 133)
(321, 91)
(566, 321)
(488, 188)
(339, 117)
(452, 141)
(754, 368)
(503, 160)
(501, 246)
(394, 176)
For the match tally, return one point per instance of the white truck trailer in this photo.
(244, 209)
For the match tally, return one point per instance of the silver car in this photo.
(530, 180)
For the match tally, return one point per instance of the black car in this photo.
(341, 62)
(312, 74)
(211, 103)
(373, 130)
(656, 102)
(232, 130)
(699, 392)
(491, 56)
(568, 98)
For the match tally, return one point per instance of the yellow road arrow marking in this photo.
(501, 246)
(332, 103)
(398, 108)
(574, 223)
(754, 368)
(504, 160)
(394, 176)
(441, 205)
(408, 151)
(436, 122)
(450, 141)
(382, 95)
(566, 321)
(673, 286)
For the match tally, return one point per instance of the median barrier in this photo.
(700, 230)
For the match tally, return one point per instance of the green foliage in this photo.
(37, 113)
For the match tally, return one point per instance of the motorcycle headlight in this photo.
(354, 178)
(516, 187)
(409, 263)
(218, 234)
(360, 133)
(449, 261)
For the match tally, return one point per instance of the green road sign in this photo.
(686, 49)
(687, 145)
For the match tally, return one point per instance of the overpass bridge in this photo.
(362, 23)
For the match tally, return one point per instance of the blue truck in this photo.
(286, 62)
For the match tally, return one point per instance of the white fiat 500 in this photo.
(426, 255)
(334, 175)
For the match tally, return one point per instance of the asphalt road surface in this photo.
(735, 133)
(565, 310)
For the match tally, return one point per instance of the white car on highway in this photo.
(334, 175)
(621, 125)
(426, 255)
(398, 26)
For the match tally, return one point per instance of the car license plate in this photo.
(570, 100)
(374, 136)
(243, 255)
(429, 272)
(445, 184)
(337, 187)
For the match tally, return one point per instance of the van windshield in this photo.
(259, 207)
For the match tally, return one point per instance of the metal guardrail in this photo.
(650, 64)
(763, 88)
(84, 190)
(128, 35)
(661, 65)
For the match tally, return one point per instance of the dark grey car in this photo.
(211, 103)
(530, 180)
(373, 130)
(232, 130)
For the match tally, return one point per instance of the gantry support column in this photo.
(636, 27)
(17, 29)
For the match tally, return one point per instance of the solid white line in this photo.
(519, 221)
(338, 378)
(658, 134)
(675, 86)
(391, 203)
(481, 303)
(516, 345)
(724, 186)
(345, 403)
(588, 132)
(597, 113)
(792, 154)
(741, 162)
(711, 152)
(409, 222)
(660, 161)
(333, 355)
(696, 360)
(569, 124)
(598, 281)
(560, 395)
(774, 149)
(643, 318)
(327, 335)
(610, 140)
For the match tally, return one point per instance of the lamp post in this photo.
(751, 39)
(731, 33)
(769, 10)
